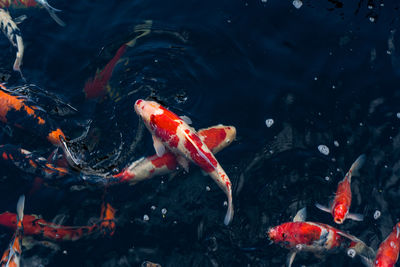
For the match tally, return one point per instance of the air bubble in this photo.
(336, 143)
(398, 115)
(164, 211)
(153, 207)
(269, 122)
(208, 188)
(377, 214)
(323, 149)
(351, 253)
(297, 3)
(146, 217)
(372, 19)
(225, 203)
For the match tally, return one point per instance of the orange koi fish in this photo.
(171, 133)
(388, 252)
(16, 111)
(317, 238)
(34, 225)
(33, 3)
(342, 201)
(12, 255)
(216, 138)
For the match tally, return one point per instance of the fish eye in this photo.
(283, 235)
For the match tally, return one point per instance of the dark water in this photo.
(326, 72)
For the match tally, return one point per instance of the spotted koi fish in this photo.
(30, 162)
(10, 29)
(317, 238)
(388, 252)
(170, 132)
(216, 138)
(12, 255)
(35, 226)
(15, 110)
(342, 201)
(33, 3)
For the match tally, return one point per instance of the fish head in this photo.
(148, 109)
(339, 213)
(277, 234)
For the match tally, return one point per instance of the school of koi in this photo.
(176, 143)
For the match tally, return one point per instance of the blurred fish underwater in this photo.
(308, 86)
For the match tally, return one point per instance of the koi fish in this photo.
(96, 86)
(107, 219)
(16, 111)
(172, 132)
(11, 30)
(36, 226)
(30, 162)
(12, 255)
(216, 138)
(33, 3)
(342, 201)
(388, 252)
(318, 238)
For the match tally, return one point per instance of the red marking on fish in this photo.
(388, 252)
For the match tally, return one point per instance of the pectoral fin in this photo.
(355, 217)
(290, 258)
(186, 119)
(183, 162)
(300, 215)
(323, 208)
(20, 19)
(158, 146)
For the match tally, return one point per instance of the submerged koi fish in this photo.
(216, 138)
(30, 162)
(172, 132)
(342, 201)
(33, 3)
(388, 252)
(318, 238)
(10, 29)
(36, 226)
(16, 111)
(12, 255)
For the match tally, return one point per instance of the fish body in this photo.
(388, 252)
(29, 162)
(318, 238)
(11, 30)
(172, 132)
(15, 110)
(216, 138)
(342, 201)
(12, 255)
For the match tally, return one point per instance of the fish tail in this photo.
(355, 167)
(20, 208)
(229, 213)
(52, 12)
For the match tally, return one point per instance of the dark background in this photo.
(324, 73)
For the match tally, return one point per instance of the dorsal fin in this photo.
(300, 215)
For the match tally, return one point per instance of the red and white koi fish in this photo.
(33, 3)
(172, 132)
(388, 252)
(342, 201)
(15, 110)
(10, 29)
(12, 255)
(318, 238)
(216, 138)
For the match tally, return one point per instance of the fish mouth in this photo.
(338, 221)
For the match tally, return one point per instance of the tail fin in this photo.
(229, 213)
(52, 11)
(20, 208)
(355, 167)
